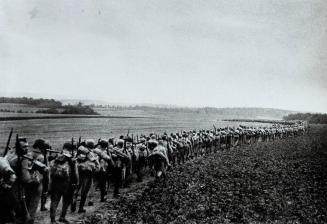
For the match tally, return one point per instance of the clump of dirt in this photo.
(275, 182)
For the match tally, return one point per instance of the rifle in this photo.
(21, 192)
(133, 146)
(52, 151)
(74, 186)
(215, 128)
(125, 148)
(8, 142)
(72, 152)
(45, 155)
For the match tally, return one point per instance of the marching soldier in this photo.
(20, 162)
(7, 179)
(87, 165)
(129, 166)
(120, 159)
(105, 162)
(64, 178)
(39, 177)
(142, 153)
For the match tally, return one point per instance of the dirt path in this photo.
(130, 193)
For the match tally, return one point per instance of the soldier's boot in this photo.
(67, 200)
(43, 202)
(103, 192)
(81, 204)
(116, 189)
(73, 206)
(63, 219)
(81, 210)
(139, 178)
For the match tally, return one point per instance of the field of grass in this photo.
(57, 131)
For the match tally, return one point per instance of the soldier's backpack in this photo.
(87, 167)
(60, 169)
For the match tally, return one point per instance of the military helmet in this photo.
(120, 142)
(90, 143)
(103, 143)
(39, 143)
(68, 146)
(128, 139)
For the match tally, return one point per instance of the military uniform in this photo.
(120, 159)
(105, 161)
(7, 178)
(87, 165)
(64, 178)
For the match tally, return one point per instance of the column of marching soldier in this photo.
(28, 176)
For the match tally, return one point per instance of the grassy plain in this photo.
(57, 131)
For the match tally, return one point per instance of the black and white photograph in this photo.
(163, 111)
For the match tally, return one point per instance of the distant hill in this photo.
(253, 112)
(310, 117)
(257, 113)
(232, 112)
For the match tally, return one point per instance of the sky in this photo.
(220, 53)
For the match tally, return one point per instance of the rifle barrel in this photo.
(8, 142)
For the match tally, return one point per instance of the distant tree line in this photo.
(313, 118)
(79, 109)
(47, 111)
(45, 103)
(235, 111)
(52, 106)
(14, 111)
(70, 109)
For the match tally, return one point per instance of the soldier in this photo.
(171, 151)
(142, 154)
(93, 157)
(39, 177)
(7, 202)
(152, 143)
(159, 160)
(27, 183)
(105, 161)
(64, 178)
(163, 150)
(86, 167)
(129, 166)
(46, 177)
(120, 159)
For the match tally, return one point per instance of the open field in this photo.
(57, 131)
(272, 182)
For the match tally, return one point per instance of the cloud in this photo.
(215, 53)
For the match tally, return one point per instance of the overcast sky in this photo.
(186, 52)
